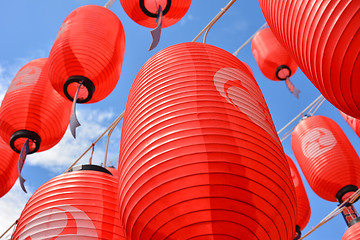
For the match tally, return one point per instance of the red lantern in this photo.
(272, 58)
(81, 204)
(326, 157)
(353, 122)
(145, 12)
(302, 200)
(199, 152)
(8, 168)
(353, 232)
(324, 39)
(89, 48)
(33, 110)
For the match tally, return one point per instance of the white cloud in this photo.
(93, 124)
(11, 206)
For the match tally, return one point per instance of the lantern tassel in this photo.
(74, 122)
(156, 32)
(22, 157)
(292, 88)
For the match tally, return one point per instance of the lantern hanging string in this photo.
(334, 213)
(109, 4)
(116, 122)
(112, 125)
(7, 230)
(249, 40)
(214, 20)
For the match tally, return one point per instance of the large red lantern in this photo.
(353, 122)
(81, 204)
(8, 168)
(88, 49)
(273, 59)
(302, 200)
(326, 157)
(199, 155)
(324, 39)
(32, 109)
(145, 12)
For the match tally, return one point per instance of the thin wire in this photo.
(212, 21)
(109, 135)
(220, 14)
(321, 103)
(111, 125)
(297, 116)
(9, 228)
(109, 4)
(287, 134)
(249, 40)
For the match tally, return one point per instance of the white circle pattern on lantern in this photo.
(317, 142)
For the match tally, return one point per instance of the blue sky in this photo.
(28, 29)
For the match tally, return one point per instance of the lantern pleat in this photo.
(75, 205)
(302, 200)
(325, 155)
(352, 232)
(31, 104)
(353, 122)
(144, 12)
(8, 168)
(323, 37)
(199, 153)
(271, 56)
(90, 44)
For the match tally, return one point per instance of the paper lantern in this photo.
(353, 122)
(81, 204)
(199, 155)
(89, 48)
(272, 58)
(8, 168)
(32, 109)
(324, 39)
(326, 157)
(145, 12)
(303, 212)
(353, 232)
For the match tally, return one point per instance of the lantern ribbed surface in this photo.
(324, 39)
(8, 168)
(352, 233)
(144, 12)
(75, 205)
(32, 108)
(302, 200)
(325, 155)
(271, 56)
(89, 46)
(199, 155)
(353, 122)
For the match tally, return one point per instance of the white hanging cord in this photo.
(116, 122)
(334, 213)
(211, 23)
(249, 40)
(222, 12)
(7, 230)
(287, 134)
(317, 107)
(111, 126)
(109, 4)
(297, 116)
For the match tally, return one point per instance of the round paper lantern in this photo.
(272, 58)
(353, 122)
(81, 204)
(145, 12)
(199, 155)
(326, 157)
(89, 48)
(353, 232)
(324, 38)
(302, 200)
(32, 109)
(8, 168)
